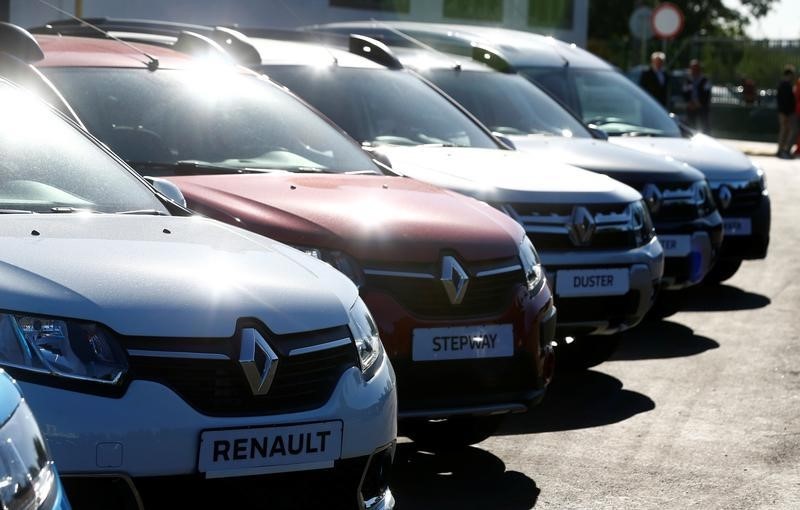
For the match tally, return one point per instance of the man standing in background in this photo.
(697, 93)
(655, 80)
(786, 113)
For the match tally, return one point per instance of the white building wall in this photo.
(280, 13)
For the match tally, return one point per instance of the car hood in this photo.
(373, 218)
(10, 397)
(715, 160)
(499, 176)
(164, 276)
(632, 167)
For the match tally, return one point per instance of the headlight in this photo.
(27, 475)
(343, 262)
(365, 335)
(703, 198)
(762, 180)
(531, 263)
(63, 347)
(641, 223)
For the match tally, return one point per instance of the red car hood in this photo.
(373, 218)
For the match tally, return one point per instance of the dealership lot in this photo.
(701, 409)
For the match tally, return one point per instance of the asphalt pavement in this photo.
(700, 410)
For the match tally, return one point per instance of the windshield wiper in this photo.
(144, 212)
(15, 211)
(190, 167)
(71, 210)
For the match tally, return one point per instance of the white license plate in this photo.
(592, 282)
(469, 342)
(238, 452)
(675, 246)
(738, 226)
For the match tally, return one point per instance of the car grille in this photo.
(746, 196)
(217, 387)
(679, 203)
(421, 292)
(420, 385)
(606, 308)
(549, 225)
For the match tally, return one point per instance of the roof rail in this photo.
(492, 58)
(17, 41)
(230, 40)
(373, 50)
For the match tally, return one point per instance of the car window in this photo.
(48, 165)
(382, 107)
(226, 118)
(507, 103)
(608, 100)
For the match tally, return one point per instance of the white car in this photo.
(151, 343)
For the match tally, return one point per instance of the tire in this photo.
(450, 434)
(586, 351)
(722, 270)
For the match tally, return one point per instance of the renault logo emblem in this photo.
(725, 197)
(258, 361)
(454, 279)
(582, 226)
(652, 196)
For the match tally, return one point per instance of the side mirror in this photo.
(167, 189)
(504, 140)
(598, 133)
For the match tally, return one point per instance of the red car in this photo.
(456, 288)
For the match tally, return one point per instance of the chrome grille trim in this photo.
(177, 354)
(499, 270)
(398, 274)
(559, 223)
(320, 347)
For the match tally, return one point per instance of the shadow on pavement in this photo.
(661, 339)
(722, 298)
(578, 400)
(469, 478)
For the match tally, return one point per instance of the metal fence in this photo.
(744, 74)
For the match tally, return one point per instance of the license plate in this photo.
(469, 342)
(737, 226)
(237, 452)
(592, 282)
(675, 246)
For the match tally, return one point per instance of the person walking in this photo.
(787, 106)
(656, 80)
(697, 94)
(797, 117)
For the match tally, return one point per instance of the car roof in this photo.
(518, 48)
(279, 52)
(69, 51)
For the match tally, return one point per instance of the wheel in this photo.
(586, 351)
(722, 270)
(452, 433)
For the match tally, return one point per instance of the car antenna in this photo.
(300, 21)
(414, 40)
(152, 62)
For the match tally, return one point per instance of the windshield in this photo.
(507, 103)
(606, 99)
(383, 107)
(49, 166)
(218, 119)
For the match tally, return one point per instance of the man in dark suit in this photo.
(697, 93)
(655, 80)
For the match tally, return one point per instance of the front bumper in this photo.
(749, 246)
(606, 314)
(444, 388)
(690, 250)
(150, 431)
